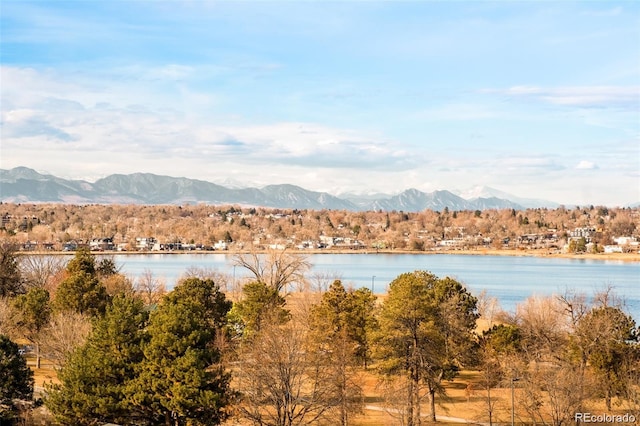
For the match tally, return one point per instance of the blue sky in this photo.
(538, 99)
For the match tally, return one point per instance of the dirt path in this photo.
(438, 418)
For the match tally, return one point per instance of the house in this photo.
(101, 244)
(612, 249)
(30, 246)
(528, 239)
(327, 240)
(6, 218)
(349, 242)
(307, 244)
(456, 242)
(70, 246)
(624, 241)
(586, 232)
(145, 243)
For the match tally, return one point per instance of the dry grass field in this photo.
(460, 406)
(465, 400)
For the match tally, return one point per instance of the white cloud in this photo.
(77, 126)
(584, 96)
(530, 164)
(122, 127)
(586, 165)
(522, 90)
(300, 144)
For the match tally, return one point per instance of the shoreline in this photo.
(542, 253)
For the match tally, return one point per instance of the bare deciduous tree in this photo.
(490, 375)
(394, 391)
(560, 382)
(543, 325)
(118, 284)
(149, 288)
(631, 399)
(9, 317)
(319, 281)
(276, 268)
(220, 278)
(488, 307)
(555, 381)
(64, 333)
(38, 270)
(283, 381)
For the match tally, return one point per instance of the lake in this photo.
(508, 278)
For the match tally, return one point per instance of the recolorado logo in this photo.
(604, 418)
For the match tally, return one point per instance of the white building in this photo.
(145, 243)
(221, 245)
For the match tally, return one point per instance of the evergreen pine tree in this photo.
(181, 378)
(82, 291)
(16, 379)
(426, 329)
(35, 312)
(94, 384)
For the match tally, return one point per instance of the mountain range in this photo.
(22, 184)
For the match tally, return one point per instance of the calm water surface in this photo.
(510, 279)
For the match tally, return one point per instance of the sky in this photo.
(538, 99)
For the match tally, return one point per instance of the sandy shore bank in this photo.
(623, 257)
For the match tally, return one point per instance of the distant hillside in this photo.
(22, 184)
(484, 192)
(414, 200)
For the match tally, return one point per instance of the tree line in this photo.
(131, 353)
(247, 227)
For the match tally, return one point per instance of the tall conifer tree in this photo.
(426, 325)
